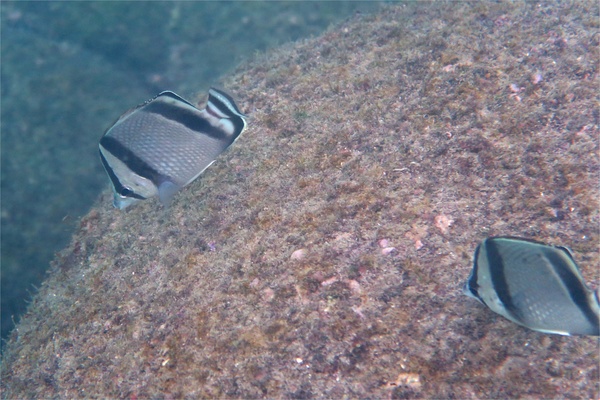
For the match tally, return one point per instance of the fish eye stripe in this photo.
(119, 188)
(472, 284)
(133, 162)
(498, 278)
(187, 118)
(574, 287)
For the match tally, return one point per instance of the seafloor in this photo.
(323, 254)
(70, 68)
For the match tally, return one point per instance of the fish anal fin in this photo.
(166, 191)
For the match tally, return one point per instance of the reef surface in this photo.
(323, 254)
(69, 69)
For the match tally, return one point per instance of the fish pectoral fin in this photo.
(166, 191)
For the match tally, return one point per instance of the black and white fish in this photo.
(535, 285)
(164, 144)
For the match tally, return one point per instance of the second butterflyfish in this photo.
(536, 285)
(164, 144)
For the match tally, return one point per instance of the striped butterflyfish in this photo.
(164, 144)
(534, 285)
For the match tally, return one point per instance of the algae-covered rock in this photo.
(70, 68)
(323, 254)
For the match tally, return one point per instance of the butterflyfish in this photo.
(535, 285)
(164, 144)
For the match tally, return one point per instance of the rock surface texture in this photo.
(323, 254)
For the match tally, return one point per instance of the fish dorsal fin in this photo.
(172, 95)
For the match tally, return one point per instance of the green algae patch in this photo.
(323, 254)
